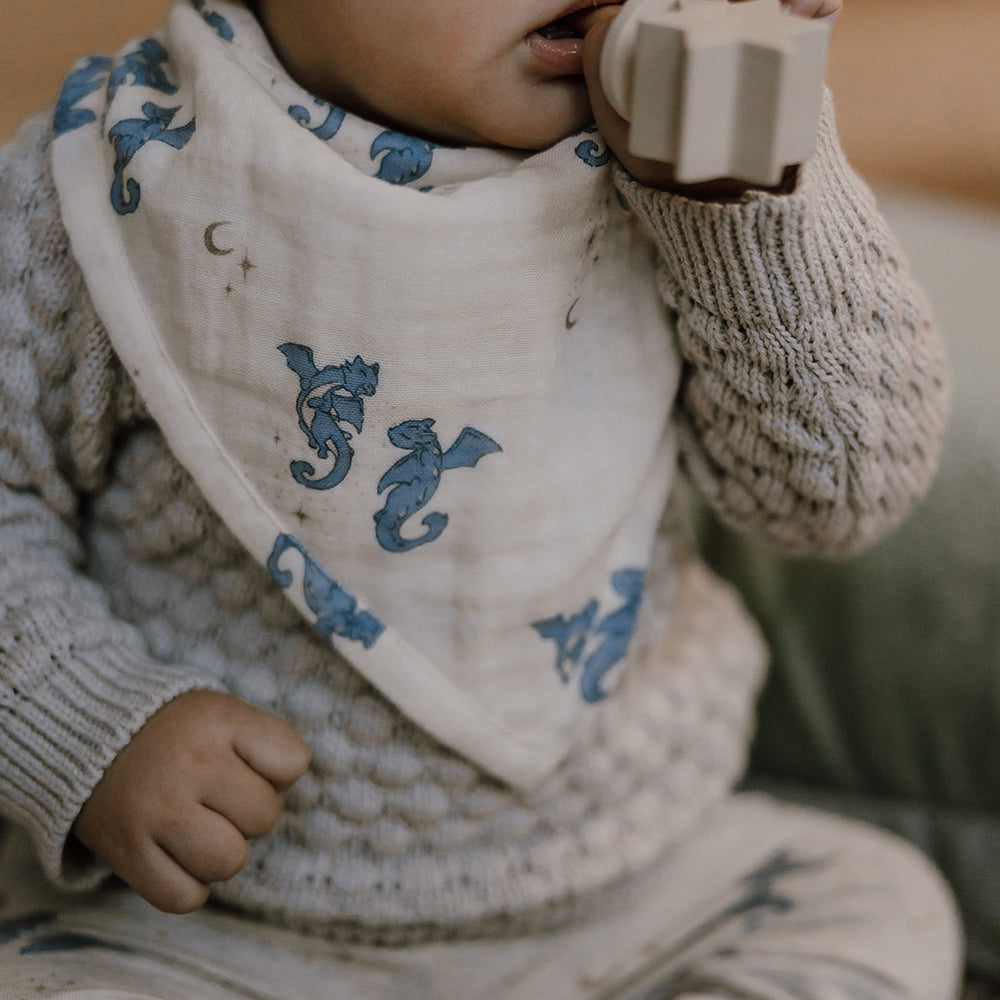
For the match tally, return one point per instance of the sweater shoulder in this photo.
(29, 200)
(60, 381)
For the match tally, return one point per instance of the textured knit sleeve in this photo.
(75, 684)
(816, 386)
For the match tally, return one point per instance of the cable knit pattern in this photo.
(121, 587)
(816, 395)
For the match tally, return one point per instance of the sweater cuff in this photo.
(65, 721)
(761, 258)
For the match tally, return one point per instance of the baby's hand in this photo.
(173, 811)
(596, 22)
(814, 8)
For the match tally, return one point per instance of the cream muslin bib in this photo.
(429, 388)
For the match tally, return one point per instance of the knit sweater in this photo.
(811, 413)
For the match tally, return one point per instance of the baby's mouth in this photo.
(577, 24)
(558, 45)
(564, 27)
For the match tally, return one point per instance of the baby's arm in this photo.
(76, 684)
(816, 388)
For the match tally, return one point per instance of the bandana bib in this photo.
(428, 388)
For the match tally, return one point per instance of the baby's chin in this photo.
(543, 119)
(537, 141)
(533, 132)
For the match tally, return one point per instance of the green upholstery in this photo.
(886, 667)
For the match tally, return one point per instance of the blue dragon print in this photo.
(342, 401)
(616, 629)
(589, 150)
(129, 136)
(416, 476)
(406, 159)
(216, 21)
(326, 129)
(335, 609)
(144, 66)
(763, 897)
(575, 634)
(79, 84)
(570, 636)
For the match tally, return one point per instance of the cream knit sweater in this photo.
(812, 411)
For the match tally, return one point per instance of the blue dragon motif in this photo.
(326, 129)
(129, 136)
(570, 636)
(144, 66)
(406, 159)
(342, 401)
(336, 610)
(216, 21)
(763, 896)
(573, 635)
(83, 81)
(590, 151)
(416, 476)
(616, 628)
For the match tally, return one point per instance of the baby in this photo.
(348, 368)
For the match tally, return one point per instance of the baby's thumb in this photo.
(611, 125)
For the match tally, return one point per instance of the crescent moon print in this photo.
(571, 320)
(210, 244)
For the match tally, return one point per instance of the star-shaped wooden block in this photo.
(718, 89)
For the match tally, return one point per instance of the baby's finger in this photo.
(159, 879)
(808, 8)
(590, 17)
(244, 797)
(206, 845)
(814, 8)
(272, 748)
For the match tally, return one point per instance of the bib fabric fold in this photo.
(429, 388)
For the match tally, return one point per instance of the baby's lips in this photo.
(583, 20)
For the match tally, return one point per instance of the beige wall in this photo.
(918, 87)
(41, 39)
(917, 81)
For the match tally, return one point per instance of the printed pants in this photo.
(766, 902)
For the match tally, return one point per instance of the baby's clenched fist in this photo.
(174, 810)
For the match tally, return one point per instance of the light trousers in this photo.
(765, 902)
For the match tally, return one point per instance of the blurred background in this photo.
(917, 81)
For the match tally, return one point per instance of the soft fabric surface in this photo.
(766, 901)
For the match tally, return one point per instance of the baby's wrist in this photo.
(729, 189)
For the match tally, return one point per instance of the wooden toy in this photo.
(718, 89)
